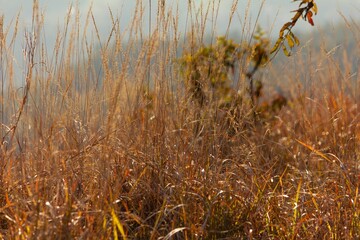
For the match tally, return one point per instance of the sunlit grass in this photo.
(107, 142)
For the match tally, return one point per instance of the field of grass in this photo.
(125, 149)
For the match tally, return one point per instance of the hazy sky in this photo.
(274, 11)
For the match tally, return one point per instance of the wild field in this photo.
(161, 134)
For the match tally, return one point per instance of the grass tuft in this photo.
(170, 135)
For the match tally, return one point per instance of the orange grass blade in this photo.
(117, 226)
(314, 150)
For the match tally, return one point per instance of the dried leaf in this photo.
(290, 41)
(297, 15)
(282, 30)
(315, 8)
(309, 18)
(297, 41)
(286, 52)
(277, 45)
(303, 2)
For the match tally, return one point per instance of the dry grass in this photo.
(119, 150)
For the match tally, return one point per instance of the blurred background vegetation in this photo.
(151, 132)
